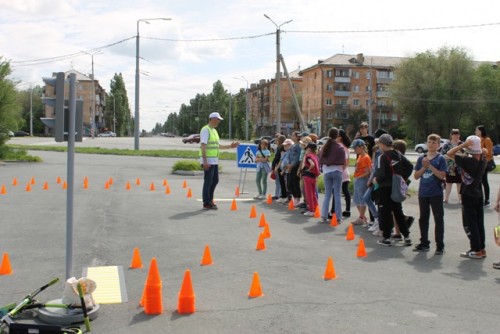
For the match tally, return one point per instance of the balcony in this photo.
(342, 79)
(384, 80)
(341, 107)
(342, 93)
(382, 94)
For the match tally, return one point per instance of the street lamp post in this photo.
(278, 73)
(137, 79)
(246, 107)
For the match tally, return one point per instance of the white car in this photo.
(107, 134)
(421, 148)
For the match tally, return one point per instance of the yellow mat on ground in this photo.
(110, 284)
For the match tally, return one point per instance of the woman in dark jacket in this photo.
(280, 191)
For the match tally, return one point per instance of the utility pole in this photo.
(31, 109)
(278, 73)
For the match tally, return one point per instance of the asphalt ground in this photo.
(391, 290)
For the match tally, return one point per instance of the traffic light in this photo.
(56, 102)
(61, 110)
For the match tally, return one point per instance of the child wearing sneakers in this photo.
(361, 174)
(310, 171)
(471, 191)
(263, 168)
(431, 170)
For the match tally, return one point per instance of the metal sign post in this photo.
(245, 158)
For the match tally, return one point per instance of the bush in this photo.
(189, 165)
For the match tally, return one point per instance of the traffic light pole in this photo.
(70, 175)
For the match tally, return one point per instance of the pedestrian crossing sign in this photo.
(246, 156)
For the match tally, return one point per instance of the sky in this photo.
(230, 41)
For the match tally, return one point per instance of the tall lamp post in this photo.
(246, 106)
(137, 79)
(278, 73)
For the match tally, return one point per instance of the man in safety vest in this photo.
(209, 158)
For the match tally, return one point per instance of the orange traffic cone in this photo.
(291, 206)
(127, 186)
(167, 189)
(237, 192)
(136, 259)
(85, 180)
(262, 221)
(350, 233)
(255, 288)
(261, 245)
(14, 182)
(253, 212)
(45, 186)
(138, 182)
(317, 214)
(152, 187)
(334, 222)
(207, 257)
(189, 193)
(361, 248)
(58, 180)
(85, 185)
(110, 181)
(186, 303)
(266, 232)
(32, 181)
(164, 182)
(106, 185)
(3, 191)
(5, 268)
(234, 207)
(184, 184)
(269, 199)
(65, 185)
(153, 303)
(329, 270)
(28, 187)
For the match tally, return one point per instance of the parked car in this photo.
(422, 147)
(21, 134)
(195, 138)
(496, 149)
(167, 134)
(107, 134)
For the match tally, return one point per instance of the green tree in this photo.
(117, 107)
(35, 95)
(434, 91)
(10, 109)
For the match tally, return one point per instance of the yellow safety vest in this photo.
(212, 149)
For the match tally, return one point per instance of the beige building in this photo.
(94, 101)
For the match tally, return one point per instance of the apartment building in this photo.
(94, 101)
(263, 105)
(342, 89)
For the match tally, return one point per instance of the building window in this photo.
(384, 74)
(368, 75)
(341, 114)
(355, 88)
(329, 115)
(329, 73)
(342, 73)
(355, 74)
(328, 102)
(355, 102)
(329, 87)
(395, 117)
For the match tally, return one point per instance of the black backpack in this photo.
(402, 167)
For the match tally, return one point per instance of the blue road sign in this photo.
(246, 156)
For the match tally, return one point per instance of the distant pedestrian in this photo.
(453, 172)
(209, 158)
(473, 167)
(310, 171)
(263, 168)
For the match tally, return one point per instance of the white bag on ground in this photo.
(71, 296)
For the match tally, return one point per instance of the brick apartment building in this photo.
(338, 91)
(93, 96)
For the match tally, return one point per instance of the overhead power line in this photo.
(209, 39)
(391, 30)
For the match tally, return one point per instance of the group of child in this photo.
(297, 160)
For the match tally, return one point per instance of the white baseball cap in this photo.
(215, 115)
